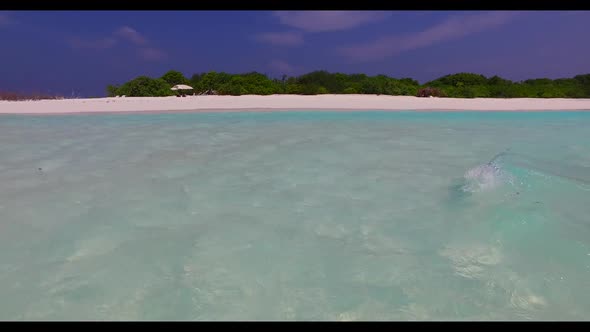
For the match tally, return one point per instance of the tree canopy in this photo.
(142, 86)
(174, 77)
(460, 85)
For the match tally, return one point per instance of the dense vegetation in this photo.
(461, 85)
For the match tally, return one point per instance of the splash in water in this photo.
(487, 176)
(518, 170)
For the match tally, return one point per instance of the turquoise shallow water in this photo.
(295, 216)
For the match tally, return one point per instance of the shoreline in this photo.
(286, 103)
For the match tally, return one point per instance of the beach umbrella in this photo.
(182, 87)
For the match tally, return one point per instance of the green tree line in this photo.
(461, 85)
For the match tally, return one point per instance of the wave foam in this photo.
(485, 177)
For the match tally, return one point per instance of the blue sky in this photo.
(83, 51)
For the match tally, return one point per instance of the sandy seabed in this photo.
(286, 103)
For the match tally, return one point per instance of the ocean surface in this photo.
(295, 216)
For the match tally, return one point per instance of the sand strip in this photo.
(287, 103)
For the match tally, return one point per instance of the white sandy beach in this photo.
(286, 102)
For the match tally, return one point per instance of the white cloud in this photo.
(126, 34)
(450, 29)
(318, 21)
(131, 35)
